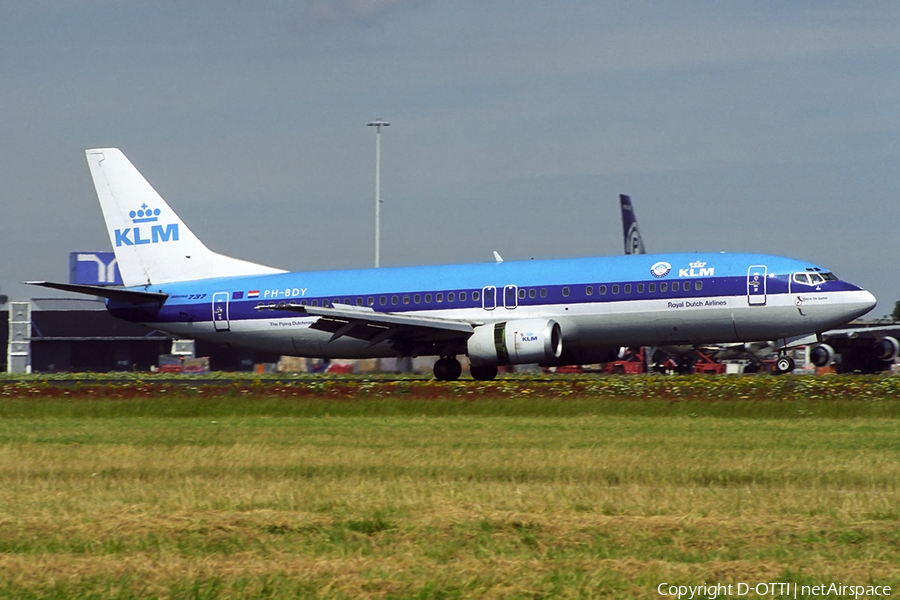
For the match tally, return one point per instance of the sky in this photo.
(763, 126)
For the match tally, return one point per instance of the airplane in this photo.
(551, 312)
(865, 349)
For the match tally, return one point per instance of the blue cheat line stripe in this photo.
(710, 288)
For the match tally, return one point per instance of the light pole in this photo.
(378, 124)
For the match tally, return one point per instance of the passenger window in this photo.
(674, 286)
(370, 300)
(565, 292)
(303, 303)
(521, 294)
(417, 298)
(462, 297)
(405, 299)
(640, 288)
(627, 288)
(439, 297)
(663, 287)
(698, 285)
(589, 290)
(615, 288)
(314, 303)
(532, 293)
(382, 301)
(336, 301)
(427, 298)
(475, 296)
(451, 296)
(651, 288)
(359, 301)
(395, 300)
(325, 302)
(601, 290)
(347, 301)
(543, 292)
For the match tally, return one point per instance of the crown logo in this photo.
(144, 215)
(698, 264)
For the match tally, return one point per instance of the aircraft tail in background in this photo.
(633, 242)
(152, 244)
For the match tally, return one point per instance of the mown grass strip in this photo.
(255, 496)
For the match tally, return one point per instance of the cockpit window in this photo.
(812, 278)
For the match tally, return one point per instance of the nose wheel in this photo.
(447, 369)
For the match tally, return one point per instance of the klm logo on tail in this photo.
(138, 235)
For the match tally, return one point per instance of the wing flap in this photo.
(365, 324)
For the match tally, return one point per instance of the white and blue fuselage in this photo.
(599, 303)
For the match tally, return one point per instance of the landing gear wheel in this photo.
(447, 369)
(483, 373)
(784, 364)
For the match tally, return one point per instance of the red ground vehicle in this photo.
(704, 364)
(632, 362)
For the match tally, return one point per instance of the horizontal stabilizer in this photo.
(103, 291)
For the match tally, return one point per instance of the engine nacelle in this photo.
(887, 348)
(822, 355)
(515, 343)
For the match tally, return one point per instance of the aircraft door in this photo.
(756, 285)
(510, 297)
(220, 311)
(489, 298)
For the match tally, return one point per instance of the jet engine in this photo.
(822, 355)
(515, 342)
(887, 348)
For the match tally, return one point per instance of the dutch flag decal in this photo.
(253, 294)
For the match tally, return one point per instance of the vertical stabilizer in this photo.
(151, 242)
(633, 242)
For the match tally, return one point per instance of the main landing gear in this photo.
(784, 364)
(483, 373)
(447, 368)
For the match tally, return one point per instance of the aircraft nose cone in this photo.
(862, 302)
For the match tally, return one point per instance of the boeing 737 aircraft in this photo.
(552, 312)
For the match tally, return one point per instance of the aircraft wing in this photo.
(363, 323)
(876, 331)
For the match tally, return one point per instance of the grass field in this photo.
(185, 494)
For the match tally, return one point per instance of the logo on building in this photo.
(94, 268)
(141, 233)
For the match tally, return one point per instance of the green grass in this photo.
(271, 496)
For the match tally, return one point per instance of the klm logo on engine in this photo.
(142, 233)
(698, 269)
